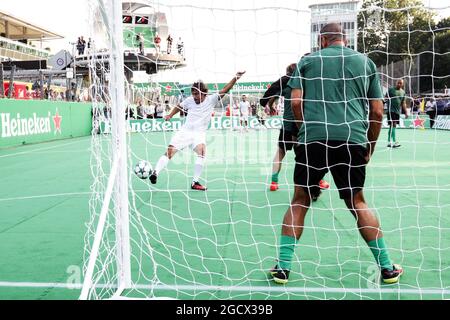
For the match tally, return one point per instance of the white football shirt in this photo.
(199, 115)
(244, 106)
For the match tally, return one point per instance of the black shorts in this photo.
(287, 139)
(346, 162)
(393, 117)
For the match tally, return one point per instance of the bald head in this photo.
(400, 84)
(331, 33)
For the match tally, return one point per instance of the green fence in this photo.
(24, 122)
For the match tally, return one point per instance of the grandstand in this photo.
(17, 37)
(139, 17)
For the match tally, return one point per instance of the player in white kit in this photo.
(244, 107)
(193, 133)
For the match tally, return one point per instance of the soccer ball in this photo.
(143, 169)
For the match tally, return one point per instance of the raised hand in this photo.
(239, 74)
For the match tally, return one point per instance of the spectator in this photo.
(167, 105)
(141, 112)
(431, 105)
(415, 104)
(236, 110)
(129, 113)
(169, 44)
(81, 45)
(261, 115)
(29, 93)
(180, 47)
(89, 45)
(107, 112)
(159, 111)
(151, 109)
(431, 110)
(141, 42)
(227, 111)
(78, 44)
(157, 42)
(253, 109)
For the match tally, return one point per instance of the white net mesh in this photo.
(221, 243)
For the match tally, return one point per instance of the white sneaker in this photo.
(390, 145)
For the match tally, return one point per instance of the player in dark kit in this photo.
(289, 129)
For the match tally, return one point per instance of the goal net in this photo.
(166, 240)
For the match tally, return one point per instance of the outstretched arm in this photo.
(173, 112)
(275, 89)
(230, 84)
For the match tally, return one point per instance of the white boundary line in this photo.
(252, 289)
(187, 190)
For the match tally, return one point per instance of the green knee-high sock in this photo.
(275, 177)
(389, 134)
(394, 138)
(287, 247)
(380, 253)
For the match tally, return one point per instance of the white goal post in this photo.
(118, 181)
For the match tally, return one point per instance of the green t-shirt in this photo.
(396, 99)
(337, 83)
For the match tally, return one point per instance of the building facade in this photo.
(345, 13)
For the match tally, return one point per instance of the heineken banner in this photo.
(442, 123)
(23, 122)
(174, 88)
(217, 123)
(413, 122)
(224, 123)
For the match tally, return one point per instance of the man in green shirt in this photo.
(337, 101)
(396, 100)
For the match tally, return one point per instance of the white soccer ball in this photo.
(143, 169)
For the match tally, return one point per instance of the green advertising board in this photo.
(442, 123)
(412, 122)
(33, 121)
(225, 123)
(217, 123)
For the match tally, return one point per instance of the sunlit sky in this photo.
(221, 37)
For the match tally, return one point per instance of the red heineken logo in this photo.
(57, 122)
(168, 88)
(419, 123)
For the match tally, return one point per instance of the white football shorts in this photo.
(244, 116)
(185, 138)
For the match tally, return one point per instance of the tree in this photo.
(392, 30)
(435, 59)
